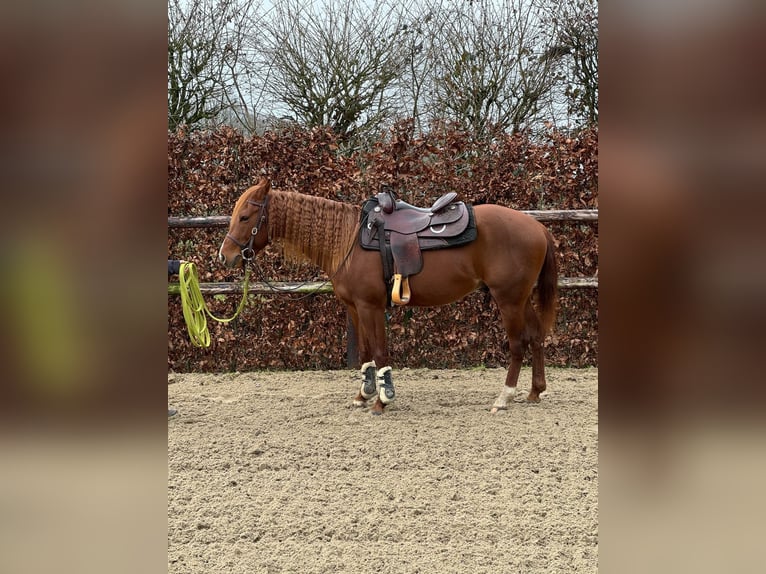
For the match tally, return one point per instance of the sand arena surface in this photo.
(273, 472)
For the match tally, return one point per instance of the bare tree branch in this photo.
(335, 61)
(575, 25)
(488, 70)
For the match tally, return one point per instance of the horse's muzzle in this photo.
(230, 263)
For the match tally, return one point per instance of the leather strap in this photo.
(385, 251)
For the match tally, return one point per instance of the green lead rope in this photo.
(194, 307)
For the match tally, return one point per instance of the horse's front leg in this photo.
(368, 387)
(386, 392)
(369, 384)
(372, 321)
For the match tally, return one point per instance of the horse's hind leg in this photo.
(536, 337)
(513, 321)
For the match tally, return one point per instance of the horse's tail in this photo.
(547, 286)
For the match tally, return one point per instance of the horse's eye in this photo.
(244, 217)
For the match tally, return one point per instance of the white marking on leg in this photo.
(501, 402)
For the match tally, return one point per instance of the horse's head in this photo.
(249, 226)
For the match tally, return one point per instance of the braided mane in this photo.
(320, 230)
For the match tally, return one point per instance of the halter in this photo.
(246, 249)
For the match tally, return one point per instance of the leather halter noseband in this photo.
(246, 249)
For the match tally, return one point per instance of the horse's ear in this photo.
(263, 186)
(259, 190)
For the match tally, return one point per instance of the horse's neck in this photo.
(300, 224)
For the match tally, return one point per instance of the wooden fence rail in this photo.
(540, 215)
(323, 287)
(280, 287)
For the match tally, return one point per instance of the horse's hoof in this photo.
(533, 400)
(377, 409)
(360, 404)
(495, 410)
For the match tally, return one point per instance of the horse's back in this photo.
(501, 226)
(511, 246)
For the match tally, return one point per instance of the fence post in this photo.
(352, 351)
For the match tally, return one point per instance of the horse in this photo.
(512, 254)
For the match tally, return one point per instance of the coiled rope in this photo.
(194, 308)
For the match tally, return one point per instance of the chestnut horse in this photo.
(512, 253)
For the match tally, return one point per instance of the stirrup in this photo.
(400, 293)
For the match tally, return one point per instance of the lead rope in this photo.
(194, 307)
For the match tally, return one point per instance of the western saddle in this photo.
(401, 232)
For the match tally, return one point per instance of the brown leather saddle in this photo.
(407, 230)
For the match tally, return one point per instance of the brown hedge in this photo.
(207, 171)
